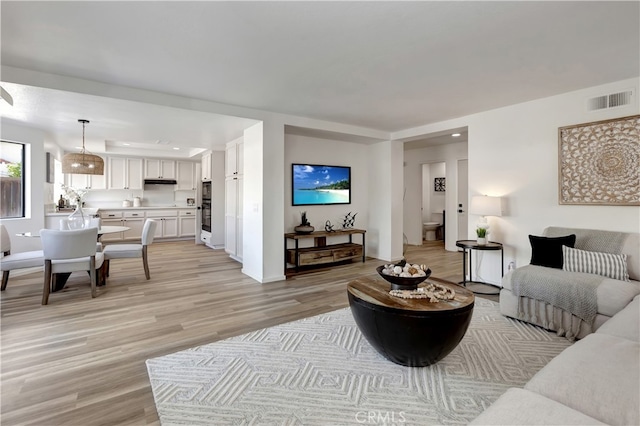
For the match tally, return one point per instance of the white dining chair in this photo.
(70, 251)
(129, 251)
(9, 262)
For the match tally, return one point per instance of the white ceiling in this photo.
(380, 65)
(115, 122)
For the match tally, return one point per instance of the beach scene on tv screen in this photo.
(320, 184)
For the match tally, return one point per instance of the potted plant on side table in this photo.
(482, 236)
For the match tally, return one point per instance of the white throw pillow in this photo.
(592, 262)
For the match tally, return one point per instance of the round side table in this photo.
(478, 287)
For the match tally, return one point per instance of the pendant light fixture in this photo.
(83, 163)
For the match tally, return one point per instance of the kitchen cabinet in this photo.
(187, 175)
(206, 166)
(233, 217)
(217, 206)
(233, 242)
(86, 181)
(167, 222)
(172, 223)
(159, 169)
(187, 223)
(124, 173)
(111, 218)
(234, 155)
(135, 221)
(131, 219)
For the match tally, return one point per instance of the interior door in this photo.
(463, 196)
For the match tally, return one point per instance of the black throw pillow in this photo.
(547, 251)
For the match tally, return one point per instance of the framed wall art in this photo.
(439, 184)
(599, 163)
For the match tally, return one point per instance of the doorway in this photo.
(433, 201)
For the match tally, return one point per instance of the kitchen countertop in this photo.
(148, 208)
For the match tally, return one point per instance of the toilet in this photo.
(429, 228)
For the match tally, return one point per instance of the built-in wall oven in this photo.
(206, 206)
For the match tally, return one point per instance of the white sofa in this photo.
(595, 381)
(613, 295)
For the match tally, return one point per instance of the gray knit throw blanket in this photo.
(573, 292)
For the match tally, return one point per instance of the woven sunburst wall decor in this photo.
(599, 162)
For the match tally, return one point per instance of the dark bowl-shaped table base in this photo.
(410, 332)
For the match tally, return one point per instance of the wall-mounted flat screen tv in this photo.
(315, 184)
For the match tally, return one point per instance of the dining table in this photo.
(107, 229)
(60, 280)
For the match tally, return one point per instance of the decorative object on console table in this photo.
(349, 220)
(439, 184)
(328, 226)
(304, 227)
(599, 163)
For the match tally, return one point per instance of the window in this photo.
(11, 179)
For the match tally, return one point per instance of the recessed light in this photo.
(78, 147)
(125, 144)
(455, 135)
(176, 148)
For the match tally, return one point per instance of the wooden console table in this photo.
(321, 252)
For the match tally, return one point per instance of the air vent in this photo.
(612, 100)
(620, 99)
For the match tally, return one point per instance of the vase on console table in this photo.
(304, 229)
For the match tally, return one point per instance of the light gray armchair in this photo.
(70, 251)
(128, 251)
(9, 262)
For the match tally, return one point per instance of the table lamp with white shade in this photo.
(484, 205)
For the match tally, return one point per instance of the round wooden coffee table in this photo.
(411, 332)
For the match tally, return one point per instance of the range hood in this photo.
(160, 182)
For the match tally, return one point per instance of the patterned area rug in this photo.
(321, 371)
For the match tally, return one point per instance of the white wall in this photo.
(414, 159)
(310, 150)
(384, 234)
(263, 201)
(34, 141)
(513, 152)
(252, 220)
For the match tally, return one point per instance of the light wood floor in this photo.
(81, 361)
